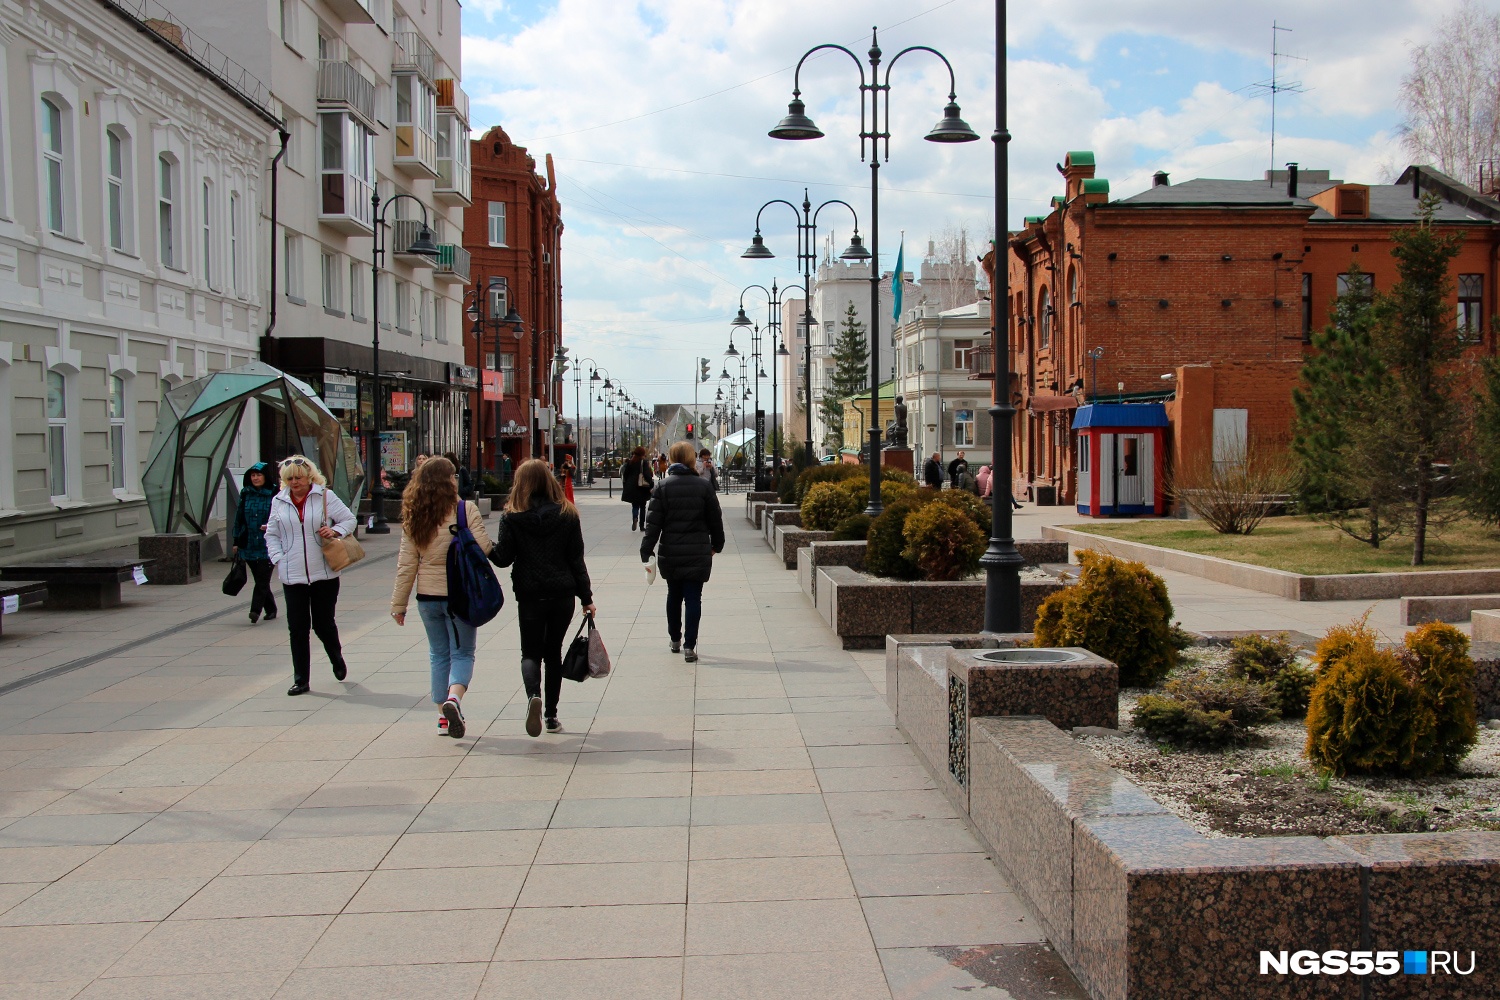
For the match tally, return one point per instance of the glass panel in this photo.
(333, 141)
(54, 195)
(117, 456)
(116, 396)
(116, 155)
(57, 461)
(57, 396)
(51, 126)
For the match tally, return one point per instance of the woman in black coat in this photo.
(685, 527)
(636, 482)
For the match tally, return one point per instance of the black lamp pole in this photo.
(422, 245)
(952, 128)
(807, 259)
(1001, 562)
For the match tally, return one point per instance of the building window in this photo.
(440, 319)
(356, 292)
(166, 212)
(403, 307)
(333, 299)
(57, 435)
(963, 354)
(963, 428)
(1470, 307)
(235, 276)
(347, 168)
(117, 154)
(293, 247)
(497, 224)
(117, 432)
(289, 21)
(54, 152)
(1044, 321)
(1307, 312)
(208, 234)
(424, 310)
(508, 374)
(1360, 283)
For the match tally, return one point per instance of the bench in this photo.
(78, 582)
(26, 593)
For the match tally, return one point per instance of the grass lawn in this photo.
(1303, 545)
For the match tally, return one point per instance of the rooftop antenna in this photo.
(1276, 85)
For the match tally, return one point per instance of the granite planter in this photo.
(927, 606)
(1486, 657)
(780, 517)
(789, 539)
(819, 554)
(862, 610)
(178, 558)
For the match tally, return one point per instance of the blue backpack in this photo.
(474, 594)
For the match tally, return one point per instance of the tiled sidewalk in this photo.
(172, 825)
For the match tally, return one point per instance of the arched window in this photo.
(1043, 321)
(57, 435)
(120, 188)
(166, 211)
(54, 153)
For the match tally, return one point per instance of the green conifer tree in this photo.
(851, 360)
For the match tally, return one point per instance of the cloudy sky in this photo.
(656, 116)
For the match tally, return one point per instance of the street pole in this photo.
(1001, 561)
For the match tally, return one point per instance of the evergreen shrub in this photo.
(1272, 661)
(975, 509)
(942, 542)
(885, 555)
(1200, 709)
(825, 505)
(1117, 609)
(853, 529)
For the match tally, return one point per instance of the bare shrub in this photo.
(1240, 490)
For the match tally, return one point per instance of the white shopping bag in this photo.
(650, 571)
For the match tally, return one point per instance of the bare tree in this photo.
(1450, 101)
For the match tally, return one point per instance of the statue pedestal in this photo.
(897, 458)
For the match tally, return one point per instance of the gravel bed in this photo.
(1268, 788)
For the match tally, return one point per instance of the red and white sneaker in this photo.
(442, 725)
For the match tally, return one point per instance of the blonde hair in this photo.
(430, 496)
(304, 463)
(534, 485)
(683, 453)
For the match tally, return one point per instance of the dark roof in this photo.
(1388, 202)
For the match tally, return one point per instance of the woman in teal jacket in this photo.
(250, 537)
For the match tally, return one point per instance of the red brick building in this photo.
(512, 232)
(1204, 295)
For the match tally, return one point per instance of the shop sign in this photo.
(511, 429)
(465, 376)
(340, 392)
(493, 393)
(403, 404)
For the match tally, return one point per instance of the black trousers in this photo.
(311, 605)
(262, 599)
(544, 628)
(678, 593)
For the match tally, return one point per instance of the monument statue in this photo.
(897, 430)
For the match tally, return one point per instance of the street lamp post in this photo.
(1001, 561)
(952, 128)
(778, 351)
(588, 458)
(807, 259)
(424, 246)
(486, 302)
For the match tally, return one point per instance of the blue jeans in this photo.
(637, 514)
(450, 647)
(678, 593)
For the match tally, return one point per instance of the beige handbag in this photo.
(339, 553)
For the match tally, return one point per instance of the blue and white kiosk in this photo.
(1121, 451)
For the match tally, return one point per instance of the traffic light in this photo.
(703, 374)
(689, 430)
(562, 361)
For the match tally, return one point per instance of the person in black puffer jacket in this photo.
(685, 528)
(636, 482)
(249, 541)
(541, 540)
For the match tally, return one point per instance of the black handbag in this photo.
(575, 662)
(235, 581)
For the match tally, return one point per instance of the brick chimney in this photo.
(1078, 166)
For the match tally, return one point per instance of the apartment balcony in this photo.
(982, 363)
(352, 11)
(413, 54)
(342, 86)
(403, 234)
(416, 151)
(344, 203)
(452, 100)
(452, 264)
(454, 183)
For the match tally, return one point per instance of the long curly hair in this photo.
(428, 500)
(535, 485)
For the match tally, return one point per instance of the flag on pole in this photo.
(896, 283)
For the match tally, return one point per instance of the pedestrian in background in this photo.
(706, 468)
(541, 539)
(429, 520)
(566, 475)
(957, 470)
(303, 515)
(635, 487)
(932, 471)
(250, 517)
(465, 481)
(684, 528)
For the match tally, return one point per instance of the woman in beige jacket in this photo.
(429, 519)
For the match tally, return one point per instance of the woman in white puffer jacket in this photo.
(305, 512)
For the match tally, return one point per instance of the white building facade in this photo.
(132, 178)
(946, 411)
(370, 93)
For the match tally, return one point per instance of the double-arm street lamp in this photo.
(422, 246)
(1001, 561)
(586, 459)
(807, 260)
(489, 306)
(778, 351)
(874, 123)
